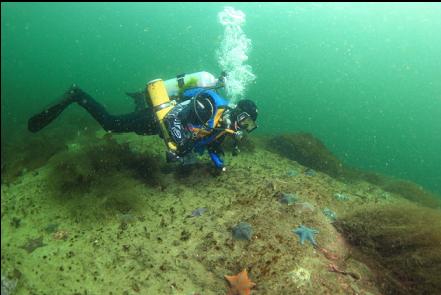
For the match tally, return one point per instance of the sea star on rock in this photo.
(293, 172)
(288, 199)
(242, 231)
(198, 212)
(33, 244)
(306, 233)
(240, 284)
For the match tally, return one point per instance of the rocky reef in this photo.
(107, 214)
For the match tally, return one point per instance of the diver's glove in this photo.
(238, 135)
(236, 150)
(171, 157)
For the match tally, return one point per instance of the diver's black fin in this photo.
(139, 99)
(50, 113)
(42, 119)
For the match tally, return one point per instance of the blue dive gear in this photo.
(217, 161)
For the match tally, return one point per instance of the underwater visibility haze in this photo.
(336, 191)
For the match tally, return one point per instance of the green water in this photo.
(364, 78)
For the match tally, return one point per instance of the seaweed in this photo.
(412, 192)
(312, 153)
(102, 178)
(369, 176)
(23, 153)
(19, 157)
(93, 163)
(401, 242)
(308, 151)
(405, 188)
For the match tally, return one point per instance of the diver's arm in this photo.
(235, 147)
(177, 130)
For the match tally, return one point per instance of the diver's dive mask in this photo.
(245, 122)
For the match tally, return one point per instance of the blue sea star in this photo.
(198, 212)
(288, 199)
(242, 231)
(306, 233)
(293, 172)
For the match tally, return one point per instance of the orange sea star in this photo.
(240, 284)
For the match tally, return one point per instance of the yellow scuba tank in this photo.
(161, 105)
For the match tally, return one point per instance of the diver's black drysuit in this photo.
(186, 117)
(141, 121)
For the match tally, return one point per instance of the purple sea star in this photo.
(33, 244)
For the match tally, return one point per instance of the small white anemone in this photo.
(300, 276)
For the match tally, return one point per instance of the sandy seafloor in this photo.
(126, 236)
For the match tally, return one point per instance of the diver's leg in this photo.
(94, 108)
(141, 121)
(139, 98)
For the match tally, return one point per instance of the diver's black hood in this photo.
(247, 105)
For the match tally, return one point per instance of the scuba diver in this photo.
(187, 112)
